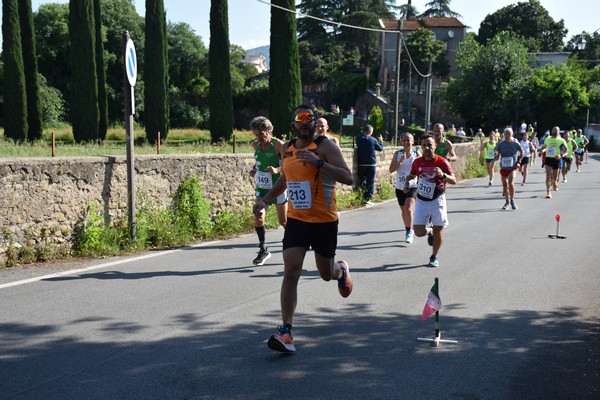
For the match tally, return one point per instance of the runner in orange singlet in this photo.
(311, 167)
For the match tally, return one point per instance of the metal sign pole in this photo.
(130, 64)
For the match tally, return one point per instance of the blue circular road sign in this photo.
(130, 62)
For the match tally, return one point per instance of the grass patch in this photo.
(179, 141)
(474, 168)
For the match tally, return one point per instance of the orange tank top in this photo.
(311, 192)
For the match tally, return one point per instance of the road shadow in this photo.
(344, 351)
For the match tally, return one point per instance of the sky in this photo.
(249, 20)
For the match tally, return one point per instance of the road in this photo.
(192, 323)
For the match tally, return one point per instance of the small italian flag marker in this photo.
(433, 303)
(433, 306)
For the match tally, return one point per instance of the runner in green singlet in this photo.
(582, 142)
(555, 148)
(266, 172)
(487, 148)
(443, 147)
(568, 157)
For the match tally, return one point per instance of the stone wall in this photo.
(41, 199)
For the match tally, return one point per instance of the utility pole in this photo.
(397, 83)
(517, 91)
(428, 100)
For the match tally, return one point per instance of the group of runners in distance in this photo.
(556, 151)
(299, 178)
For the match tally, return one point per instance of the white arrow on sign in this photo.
(130, 62)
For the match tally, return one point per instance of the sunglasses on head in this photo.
(304, 118)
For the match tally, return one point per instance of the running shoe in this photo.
(548, 195)
(345, 282)
(513, 205)
(263, 255)
(505, 206)
(433, 262)
(282, 341)
(564, 180)
(555, 186)
(430, 237)
(409, 235)
(490, 184)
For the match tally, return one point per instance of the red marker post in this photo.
(557, 236)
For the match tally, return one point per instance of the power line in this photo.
(340, 24)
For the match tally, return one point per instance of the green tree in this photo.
(188, 66)
(53, 104)
(557, 96)
(322, 35)
(32, 84)
(366, 13)
(491, 81)
(220, 100)
(376, 121)
(118, 15)
(15, 109)
(156, 73)
(591, 80)
(407, 11)
(528, 20)
(52, 39)
(51, 23)
(100, 73)
(84, 81)
(591, 50)
(285, 89)
(240, 72)
(315, 67)
(424, 48)
(188, 56)
(439, 8)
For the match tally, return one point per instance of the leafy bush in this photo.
(53, 105)
(228, 223)
(182, 113)
(93, 237)
(386, 190)
(191, 210)
(376, 120)
(474, 168)
(350, 201)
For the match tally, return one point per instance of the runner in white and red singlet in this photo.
(433, 172)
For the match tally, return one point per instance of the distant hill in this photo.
(264, 51)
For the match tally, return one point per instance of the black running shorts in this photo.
(321, 236)
(401, 196)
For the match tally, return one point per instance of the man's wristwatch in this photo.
(320, 163)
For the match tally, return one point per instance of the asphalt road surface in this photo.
(192, 323)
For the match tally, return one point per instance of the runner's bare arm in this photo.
(395, 164)
(334, 164)
(451, 156)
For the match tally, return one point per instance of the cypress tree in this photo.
(156, 72)
(84, 81)
(32, 83)
(101, 74)
(15, 97)
(220, 98)
(285, 88)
